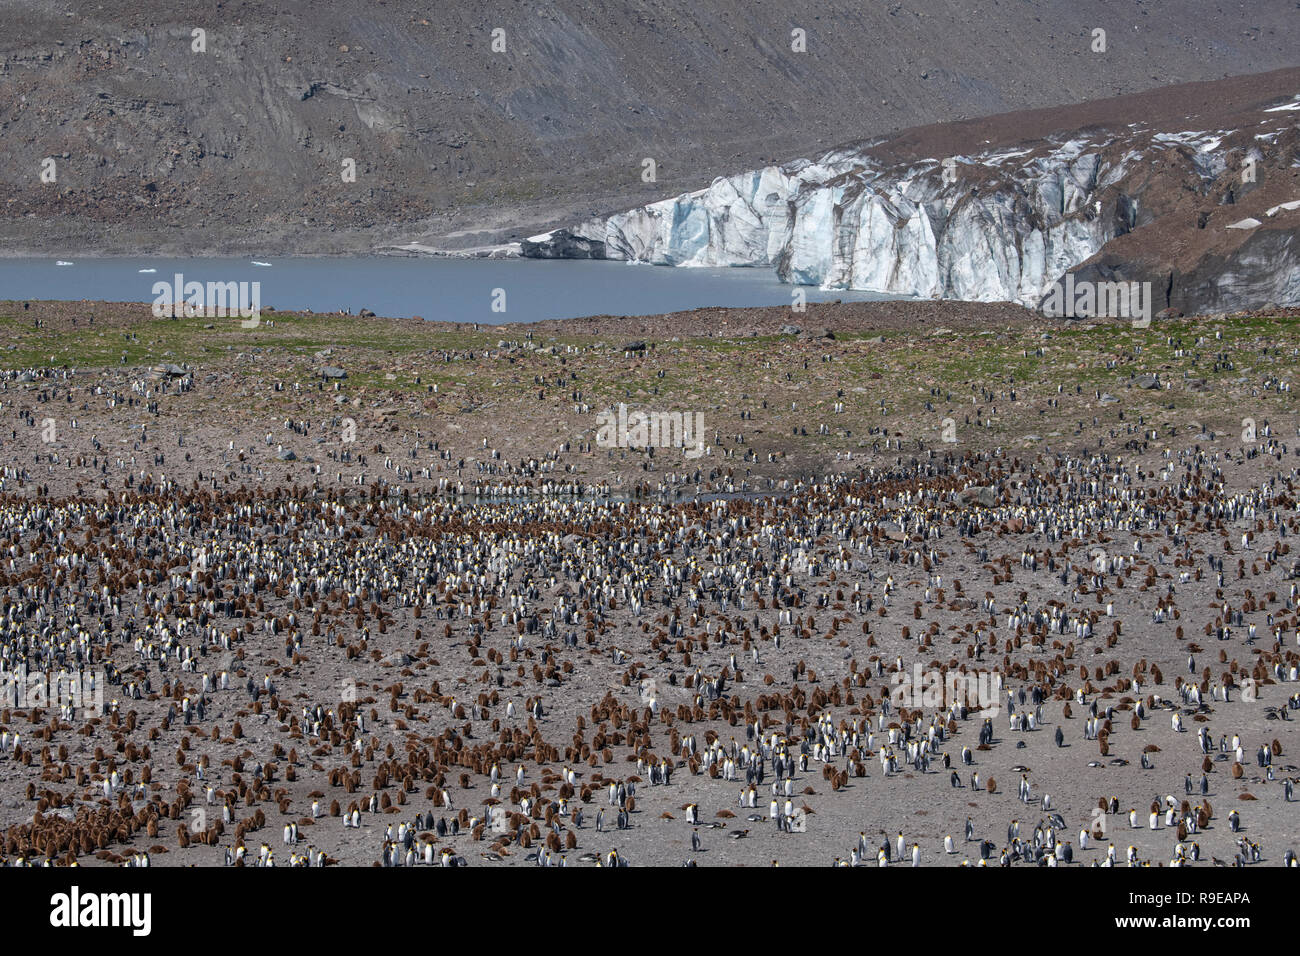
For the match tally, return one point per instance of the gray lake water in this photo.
(452, 290)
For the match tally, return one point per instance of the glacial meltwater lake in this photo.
(451, 290)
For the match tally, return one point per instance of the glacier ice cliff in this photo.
(1001, 225)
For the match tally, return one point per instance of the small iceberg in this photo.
(256, 263)
(60, 262)
(146, 270)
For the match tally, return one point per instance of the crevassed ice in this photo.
(1012, 223)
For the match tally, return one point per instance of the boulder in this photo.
(980, 494)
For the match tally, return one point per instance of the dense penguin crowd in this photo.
(404, 679)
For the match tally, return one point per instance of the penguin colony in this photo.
(409, 681)
(698, 673)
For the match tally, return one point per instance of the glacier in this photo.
(1001, 225)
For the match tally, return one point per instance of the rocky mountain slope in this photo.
(164, 149)
(1193, 189)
